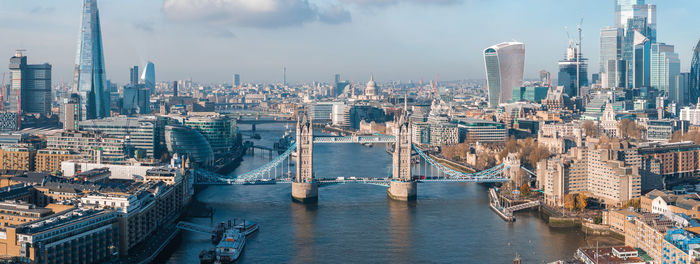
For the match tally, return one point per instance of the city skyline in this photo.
(438, 42)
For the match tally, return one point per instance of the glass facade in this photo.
(665, 66)
(505, 63)
(186, 141)
(90, 79)
(219, 131)
(533, 94)
(694, 78)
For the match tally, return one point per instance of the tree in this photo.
(581, 201)
(591, 129)
(525, 190)
(679, 136)
(538, 154)
(630, 129)
(635, 203)
(569, 202)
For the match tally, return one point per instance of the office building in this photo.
(641, 61)
(573, 72)
(531, 93)
(675, 160)
(340, 115)
(174, 88)
(90, 79)
(136, 100)
(134, 75)
(663, 129)
(189, 143)
(692, 115)
(148, 77)
(665, 66)
(681, 89)
(30, 87)
(89, 146)
(505, 63)
(321, 112)
(481, 131)
(236, 80)
(443, 134)
(634, 17)
(71, 112)
(49, 160)
(140, 134)
(610, 46)
(17, 158)
(220, 131)
(694, 77)
(72, 236)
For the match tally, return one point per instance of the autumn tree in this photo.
(581, 201)
(591, 129)
(570, 202)
(635, 203)
(630, 129)
(679, 136)
(525, 190)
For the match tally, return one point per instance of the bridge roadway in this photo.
(350, 180)
(355, 139)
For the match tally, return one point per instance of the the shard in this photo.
(90, 79)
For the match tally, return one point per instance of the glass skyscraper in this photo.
(90, 78)
(505, 64)
(665, 65)
(694, 81)
(148, 77)
(634, 16)
(30, 90)
(610, 57)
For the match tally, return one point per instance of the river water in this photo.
(449, 223)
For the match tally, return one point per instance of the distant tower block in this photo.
(304, 186)
(402, 186)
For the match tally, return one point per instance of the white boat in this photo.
(230, 247)
(246, 227)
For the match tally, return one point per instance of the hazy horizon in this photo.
(209, 41)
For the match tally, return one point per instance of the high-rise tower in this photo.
(90, 79)
(694, 79)
(148, 77)
(505, 64)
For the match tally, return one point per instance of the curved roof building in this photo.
(505, 64)
(186, 141)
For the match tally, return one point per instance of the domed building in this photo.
(371, 89)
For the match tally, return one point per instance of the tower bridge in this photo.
(402, 182)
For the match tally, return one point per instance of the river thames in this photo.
(449, 223)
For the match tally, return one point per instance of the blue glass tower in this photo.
(90, 78)
(694, 82)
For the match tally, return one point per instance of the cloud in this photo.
(144, 26)
(383, 3)
(42, 10)
(254, 13)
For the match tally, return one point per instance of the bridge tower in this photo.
(402, 186)
(304, 185)
(513, 172)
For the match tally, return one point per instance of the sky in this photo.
(396, 40)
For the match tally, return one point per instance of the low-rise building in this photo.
(49, 160)
(647, 232)
(74, 236)
(17, 158)
(609, 255)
